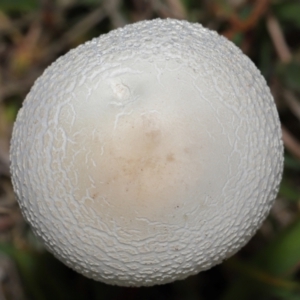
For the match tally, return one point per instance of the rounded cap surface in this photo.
(148, 154)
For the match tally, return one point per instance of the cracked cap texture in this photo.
(148, 154)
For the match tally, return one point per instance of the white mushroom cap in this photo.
(148, 154)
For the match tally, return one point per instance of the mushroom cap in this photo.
(148, 154)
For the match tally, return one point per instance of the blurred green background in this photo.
(34, 33)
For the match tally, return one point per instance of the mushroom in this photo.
(148, 154)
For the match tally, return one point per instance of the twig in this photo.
(177, 9)
(77, 30)
(290, 142)
(292, 102)
(112, 9)
(259, 10)
(278, 39)
(26, 49)
(260, 275)
(238, 24)
(5, 23)
(83, 26)
(284, 53)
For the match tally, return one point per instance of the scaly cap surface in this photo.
(148, 154)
